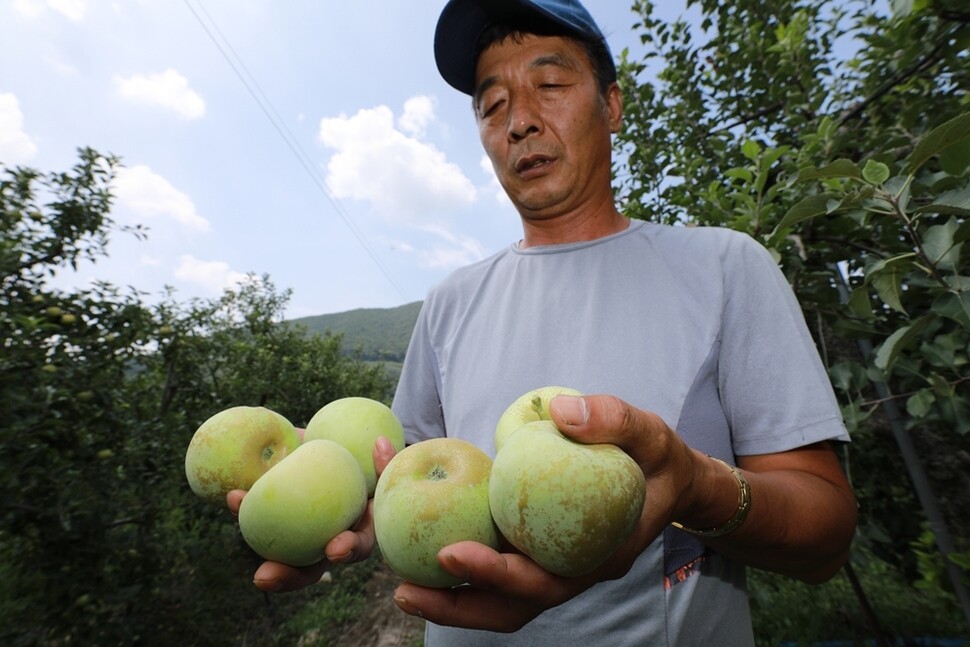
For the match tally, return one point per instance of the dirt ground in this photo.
(384, 625)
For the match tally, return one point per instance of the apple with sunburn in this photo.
(293, 511)
(356, 423)
(528, 407)
(235, 447)
(432, 494)
(565, 504)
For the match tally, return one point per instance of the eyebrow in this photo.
(547, 60)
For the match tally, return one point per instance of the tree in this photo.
(101, 540)
(838, 137)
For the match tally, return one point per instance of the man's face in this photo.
(545, 125)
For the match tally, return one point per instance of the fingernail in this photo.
(454, 566)
(572, 409)
(407, 607)
(349, 556)
(384, 446)
(268, 585)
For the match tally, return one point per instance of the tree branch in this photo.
(931, 57)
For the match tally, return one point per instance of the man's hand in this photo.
(351, 545)
(507, 590)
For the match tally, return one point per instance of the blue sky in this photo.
(309, 140)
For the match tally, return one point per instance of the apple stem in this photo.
(537, 406)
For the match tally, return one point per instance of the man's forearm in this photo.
(802, 515)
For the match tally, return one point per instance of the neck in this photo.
(573, 227)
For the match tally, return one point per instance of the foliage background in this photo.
(101, 541)
(837, 137)
(758, 121)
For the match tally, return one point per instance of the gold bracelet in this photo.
(744, 506)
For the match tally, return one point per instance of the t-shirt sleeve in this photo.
(774, 389)
(417, 401)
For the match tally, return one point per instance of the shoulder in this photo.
(703, 245)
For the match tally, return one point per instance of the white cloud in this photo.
(29, 8)
(494, 185)
(214, 276)
(73, 10)
(418, 113)
(460, 250)
(16, 146)
(149, 194)
(401, 176)
(168, 89)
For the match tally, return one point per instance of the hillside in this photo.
(380, 334)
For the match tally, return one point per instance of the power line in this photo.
(279, 125)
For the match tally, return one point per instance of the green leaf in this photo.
(958, 413)
(955, 203)
(938, 140)
(740, 174)
(773, 155)
(920, 403)
(938, 242)
(886, 277)
(888, 352)
(859, 303)
(901, 7)
(889, 287)
(956, 159)
(853, 416)
(808, 208)
(751, 149)
(875, 172)
(847, 376)
(954, 306)
(840, 168)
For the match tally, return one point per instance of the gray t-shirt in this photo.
(695, 324)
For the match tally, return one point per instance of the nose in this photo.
(524, 118)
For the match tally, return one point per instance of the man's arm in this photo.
(802, 517)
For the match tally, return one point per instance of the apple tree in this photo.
(101, 539)
(65, 428)
(838, 135)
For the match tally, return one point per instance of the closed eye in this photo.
(491, 109)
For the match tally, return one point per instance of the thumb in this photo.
(383, 453)
(607, 419)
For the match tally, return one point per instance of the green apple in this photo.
(566, 505)
(235, 447)
(432, 494)
(293, 511)
(356, 423)
(529, 407)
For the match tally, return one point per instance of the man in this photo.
(693, 333)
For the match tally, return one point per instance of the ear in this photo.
(614, 107)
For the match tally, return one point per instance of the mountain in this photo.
(381, 334)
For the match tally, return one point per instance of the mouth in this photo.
(532, 163)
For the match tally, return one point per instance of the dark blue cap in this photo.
(462, 22)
